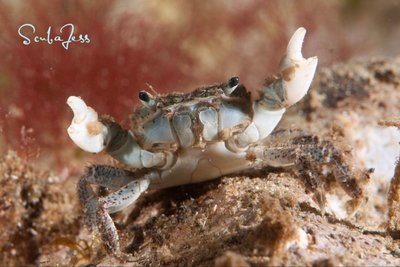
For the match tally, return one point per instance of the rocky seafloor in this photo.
(256, 219)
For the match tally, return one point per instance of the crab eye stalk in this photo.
(147, 99)
(144, 96)
(232, 84)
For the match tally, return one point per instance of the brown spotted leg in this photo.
(308, 154)
(311, 158)
(112, 203)
(107, 176)
(97, 210)
(346, 177)
(311, 178)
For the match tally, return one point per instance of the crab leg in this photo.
(94, 134)
(113, 203)
(88, 199)
(309, 155)
(98, 210)
(102, 175)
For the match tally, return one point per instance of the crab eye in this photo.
(232, 84)
(144, 96)
(147, 99)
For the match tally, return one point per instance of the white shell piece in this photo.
(249, 136)
(209, 119)
(230, 116)
(152, 159)
(299, 239)
(85, 130)
(133, 155)
(196, 165)
(158, 131)
(204, 169)
(299, 71)
(266, 120)
(183, 128)
(169, 160)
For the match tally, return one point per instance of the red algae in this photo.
(170, 46)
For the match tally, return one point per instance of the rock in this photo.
(262, 218)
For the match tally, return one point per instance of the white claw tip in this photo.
(297, 72)
(78, 107)
(85, 129)
(293, 50)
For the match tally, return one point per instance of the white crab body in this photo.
(196, 165)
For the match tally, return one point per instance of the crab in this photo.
(185, 138)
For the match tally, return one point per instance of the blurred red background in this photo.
(170, 45)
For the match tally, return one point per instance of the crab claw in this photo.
(86, 131)
(297, 72)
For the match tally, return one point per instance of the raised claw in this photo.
(86, 130)
(297, 72)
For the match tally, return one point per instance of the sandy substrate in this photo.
(263, 218)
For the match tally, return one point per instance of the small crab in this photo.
(183, 138)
